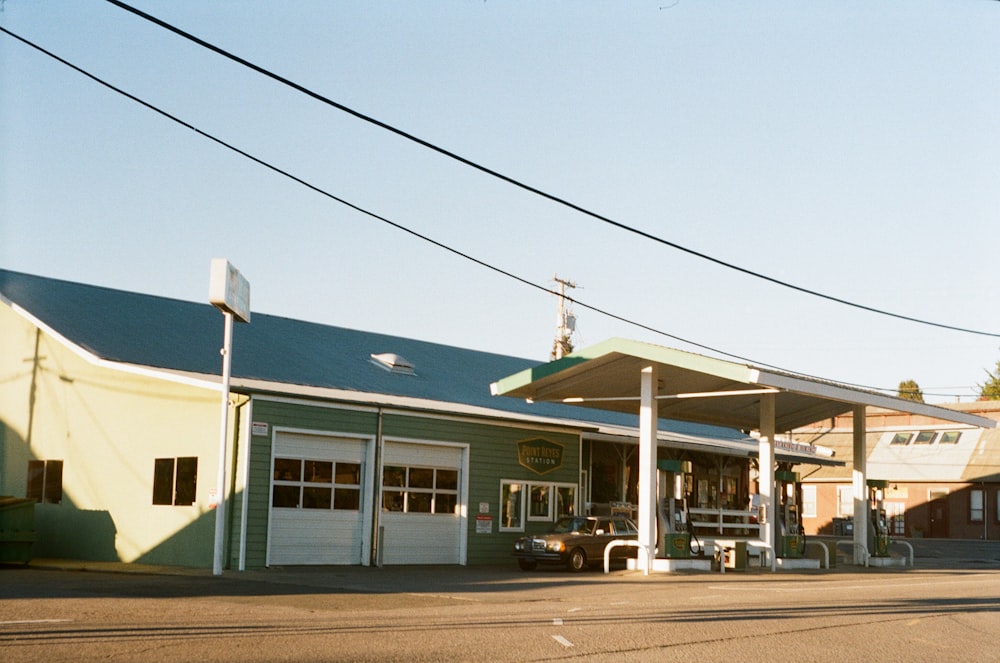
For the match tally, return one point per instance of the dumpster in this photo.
(17, 529)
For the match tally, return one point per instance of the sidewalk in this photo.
(929, 554)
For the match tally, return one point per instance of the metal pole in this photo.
(220, 507)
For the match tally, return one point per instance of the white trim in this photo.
(133, 369)
(440, 413)
(845, 394)
(404, 404)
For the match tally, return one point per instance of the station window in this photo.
(45, 481)
(175, 481)
(925, 437)
(534, 501)
(540, 501)
(302, 483)
(511, 506)
(411, 489)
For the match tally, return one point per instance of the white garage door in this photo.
(421, 496)
(317, 498)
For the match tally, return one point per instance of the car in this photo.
(577, 542)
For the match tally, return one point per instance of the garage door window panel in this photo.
(311, 484)
(420, 490)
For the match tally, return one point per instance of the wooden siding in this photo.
(492, 457)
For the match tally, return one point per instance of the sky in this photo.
(850, 148)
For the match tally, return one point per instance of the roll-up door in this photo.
(421, 499)
(317, 498)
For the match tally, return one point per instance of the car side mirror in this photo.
(599, 532)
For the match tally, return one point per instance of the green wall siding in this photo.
(492, 457)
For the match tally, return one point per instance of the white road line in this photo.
(563, 641)
(36, 621)
(574, 610)
(557, 622)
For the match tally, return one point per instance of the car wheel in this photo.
(577, 560)
(527, 564)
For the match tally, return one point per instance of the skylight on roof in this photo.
(393, 363)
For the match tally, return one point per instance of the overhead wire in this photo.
(529, 188)
(317, 189)
(352, 205)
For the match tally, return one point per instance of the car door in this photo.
(598, 542)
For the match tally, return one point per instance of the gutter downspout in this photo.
(375, 559)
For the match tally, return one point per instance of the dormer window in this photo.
(393, 363)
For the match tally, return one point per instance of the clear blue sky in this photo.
(848, 147)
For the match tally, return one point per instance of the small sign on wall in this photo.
(259, 428)
(484, 524)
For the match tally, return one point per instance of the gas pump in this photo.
(791, 534)
(674, 538)
(878, 524)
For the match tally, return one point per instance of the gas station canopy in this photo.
(700, 389)
(663, 383)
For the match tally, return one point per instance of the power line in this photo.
(527, 187)
(351, 205)
(399, 226)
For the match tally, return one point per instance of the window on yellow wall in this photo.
(175, 481)
(45, 481)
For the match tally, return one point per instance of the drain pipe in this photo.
(378, 534)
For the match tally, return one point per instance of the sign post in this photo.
(230, 293)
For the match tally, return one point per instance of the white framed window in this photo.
(896, 513)
(845, 501)
(511, 506)
(539, 501)
(808, 501)
(976, 505)
(534, 501)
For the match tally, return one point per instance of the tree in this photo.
(990, 390)
(910, 390)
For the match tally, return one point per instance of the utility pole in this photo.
(565, 322)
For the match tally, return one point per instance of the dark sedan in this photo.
(577, 542)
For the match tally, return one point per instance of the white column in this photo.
(766, 467)
(648, 426)
(859, 476)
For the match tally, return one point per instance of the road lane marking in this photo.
(557, 622)
(36, 621)
(563, 641)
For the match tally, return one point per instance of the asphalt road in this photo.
(500, 614)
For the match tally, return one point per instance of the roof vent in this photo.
(393, 363)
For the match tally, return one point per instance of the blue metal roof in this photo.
(164, 333)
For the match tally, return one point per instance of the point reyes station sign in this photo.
(539, 455)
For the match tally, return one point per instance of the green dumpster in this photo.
(17, 529)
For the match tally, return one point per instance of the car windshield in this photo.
(566, 525)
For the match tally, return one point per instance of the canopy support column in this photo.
(860, 476)
(766, 481)
(648, 425)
